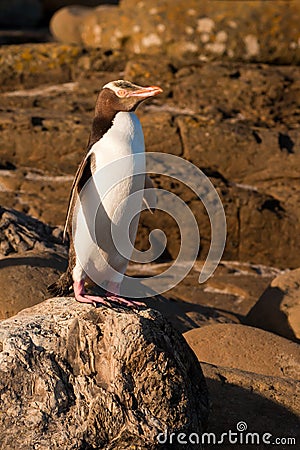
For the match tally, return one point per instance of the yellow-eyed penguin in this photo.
(116, 133)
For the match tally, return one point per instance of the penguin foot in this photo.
(113, 294)
(122, 301)
(82, 297)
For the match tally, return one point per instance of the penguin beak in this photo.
(145, 92)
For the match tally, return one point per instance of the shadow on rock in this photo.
(185, 316)
(233, 404)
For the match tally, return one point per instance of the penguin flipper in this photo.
(150, 198)
(83, 174)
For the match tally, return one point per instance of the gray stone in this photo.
(75, 376)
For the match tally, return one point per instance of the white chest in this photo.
(125, 137)
(113, 198)
(119, 168)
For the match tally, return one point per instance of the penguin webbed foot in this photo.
(122, 301)
(82, 297)
(109, 299)
(113, 295)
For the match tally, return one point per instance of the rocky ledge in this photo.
(238, 122)
(60, 361)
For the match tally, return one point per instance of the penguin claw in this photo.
(82, 297)
(123, 301)
(91, 299)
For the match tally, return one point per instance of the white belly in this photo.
(108, 202)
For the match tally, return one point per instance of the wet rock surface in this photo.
(78, 376)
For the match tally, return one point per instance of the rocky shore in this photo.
(100, 378)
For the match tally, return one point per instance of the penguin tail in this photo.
(62, 286)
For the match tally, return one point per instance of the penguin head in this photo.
(125, 96)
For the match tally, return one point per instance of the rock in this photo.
(20, 233)
(209, 31)
(245, 348)
(100, 378)
(100, 28)
(226, 297)
(32, 256)
(32, 64)
(24, 280)
(217, 115)
(266, 404)
(20, 13)
(66, 22)
(278, 308)
(219, 135)
(35, 65)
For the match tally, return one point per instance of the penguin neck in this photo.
(102, 122)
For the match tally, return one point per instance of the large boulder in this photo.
(245, 402)
(245, 348)
(278, 308)
(66, 22)
(75, 376)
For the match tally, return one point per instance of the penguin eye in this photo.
(121, 92)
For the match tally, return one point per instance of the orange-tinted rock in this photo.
(210, 29)
(278, 308)
(246, 348)
(65, 24)
(31, 257)
(261, 404)
(236, 122)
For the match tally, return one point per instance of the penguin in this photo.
(116, 133)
